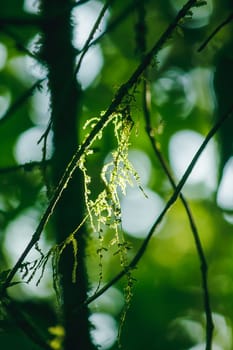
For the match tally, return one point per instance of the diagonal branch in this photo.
(25, 324)
(26, 167)
(20, 100)
(114, 23)
(170, 202)
(92, 33)
(198, 244)
(216, 30)
(72, 166)
(11, 34)
(127, 10)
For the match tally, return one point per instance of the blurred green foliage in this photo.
(190, 90)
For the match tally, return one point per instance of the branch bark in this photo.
(66, 102)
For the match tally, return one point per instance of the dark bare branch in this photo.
(216, 30)
(72, 166)
(169, 204)
(196, 237)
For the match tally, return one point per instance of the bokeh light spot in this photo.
(182, 147)
(225, 191)
(5, 100)
(139, 212)
(3, 56)
(27, 149)
(104, 333)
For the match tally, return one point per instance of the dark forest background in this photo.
(154, 79)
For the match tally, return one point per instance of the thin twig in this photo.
(20, 100)
(24, 323)
(168, 205)
(198, 244)
(80, 2)
(29, 92)
(72, 166)
(26, 167)
(18, 43)
(92, 33)
(44, 138)
(216, 30)
(112, 25)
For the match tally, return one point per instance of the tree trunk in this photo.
(58, 53)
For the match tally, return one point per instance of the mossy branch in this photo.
(72, 166)
(168, 205)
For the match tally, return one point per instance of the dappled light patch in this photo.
(3, 56)
(5, 100)
(202, 79)
(31, 6)
(225, 191)
(40, 112)
(105, 330)
(173, 93)
(84, 17)
(199, 17)
(142, 164)
(182, 147)
(17, 236)
(193, 329)
(19, 64)
(105, 304)
(27, 148)
(139, 212)
(33, 65)
(123, 219)
(91, 66)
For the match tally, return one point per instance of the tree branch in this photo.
(216, 30)
(20, 101)
(26, 325)
(72, 166)
(170, 202)
(92, 32)
(26, 167)
(197, 240)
